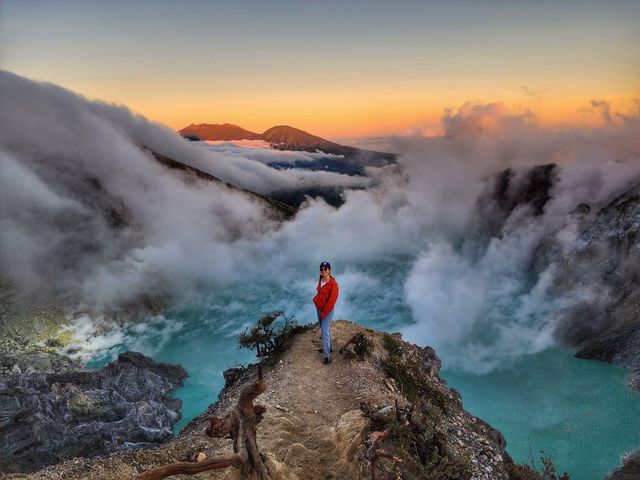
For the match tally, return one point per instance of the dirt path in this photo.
(313, 421)
(317, 396)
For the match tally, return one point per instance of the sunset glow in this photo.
(337, 70)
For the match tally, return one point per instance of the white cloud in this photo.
(473, 297)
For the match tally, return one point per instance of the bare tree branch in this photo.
(240, 424)
(191, 468)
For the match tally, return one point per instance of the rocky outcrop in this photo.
(509, 190)
(50, 412)
(605, 261)
(35, 361)
(430, 430)
(531, 187)
(599, 273)
(630, 469)
(325, 421)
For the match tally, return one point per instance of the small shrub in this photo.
(363, 348)
(271, 335)
(548, 468)
(392, 345)
(413, 380)
(546, 471)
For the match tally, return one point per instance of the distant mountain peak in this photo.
(214, 131)
(284, 128)
(285, 136)
(282, 137)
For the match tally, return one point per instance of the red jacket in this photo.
(326, 298)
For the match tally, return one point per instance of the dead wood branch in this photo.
(374, 451)
(191, 468)
(240, 424)
(377, 450)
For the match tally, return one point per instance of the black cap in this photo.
(325, 264)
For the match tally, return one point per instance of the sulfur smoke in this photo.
(89, 219)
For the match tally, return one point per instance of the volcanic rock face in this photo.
(46, 417)
(606, 260)
(630, 470)
(601, 267)
(532, 188)
(28, 362)
(510, 190)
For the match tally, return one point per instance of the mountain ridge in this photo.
(284, 210)
(282, 137)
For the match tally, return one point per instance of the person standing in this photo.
(324, 301)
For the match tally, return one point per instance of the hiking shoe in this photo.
(320, 350)
(327, 361)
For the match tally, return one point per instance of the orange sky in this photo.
(335, 69)
(366, 113)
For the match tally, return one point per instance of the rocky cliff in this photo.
(58, 412)
(597, 270)
(604, 265)
(332, 421)
(630, 470)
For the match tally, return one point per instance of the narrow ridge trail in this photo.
(311, 404)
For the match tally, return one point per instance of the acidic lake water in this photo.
(580, 412)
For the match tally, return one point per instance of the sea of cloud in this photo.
(65, 162)
(246, 164)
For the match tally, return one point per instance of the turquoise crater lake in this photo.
(580, 412)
